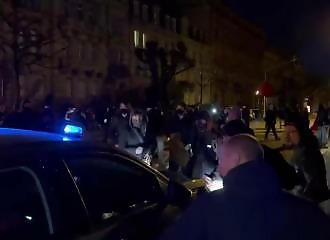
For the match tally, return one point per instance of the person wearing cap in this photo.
(251, 205)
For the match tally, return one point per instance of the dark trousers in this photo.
(271, 127)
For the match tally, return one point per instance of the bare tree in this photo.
(163, 65)
(27, 39)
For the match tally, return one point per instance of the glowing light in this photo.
(136, 38)
(257, 92)
(66, 139)
(209, 146)
(214, 111)
(73, 130)
(28, 218)
(214, 185)
(144, 40)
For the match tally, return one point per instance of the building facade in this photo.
(86, 48)
(238, 49)
(149, 23)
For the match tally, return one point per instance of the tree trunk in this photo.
(15, 51)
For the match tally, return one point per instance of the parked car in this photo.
(55, 187)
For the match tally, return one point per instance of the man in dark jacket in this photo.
(119, 123)
(251, 205)
(286, 173)
(270, 120)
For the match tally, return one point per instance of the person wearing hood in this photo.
(119, 123)
(251, 205)
(308, 161)
(133, 137)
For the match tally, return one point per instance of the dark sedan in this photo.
(55, 188)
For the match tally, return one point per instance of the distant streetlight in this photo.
(257, 92)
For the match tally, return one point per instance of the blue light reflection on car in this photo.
(66, 139)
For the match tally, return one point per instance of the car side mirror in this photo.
(178, 195)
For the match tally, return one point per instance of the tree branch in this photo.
(185, 69)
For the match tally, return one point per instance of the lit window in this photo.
(136, 38)
(144, 40)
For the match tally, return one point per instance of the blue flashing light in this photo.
(73, 130)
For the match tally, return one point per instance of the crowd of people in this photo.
(182, 140)
(255, 203)
(191, 142)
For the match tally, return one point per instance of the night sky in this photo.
(300, 27)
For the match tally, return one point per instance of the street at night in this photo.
(164, 119)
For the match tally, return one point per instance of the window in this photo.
(136, 38)
(156, 15)
(144, 40)
(111, 187)
(145, 12)
(136, 8)
(24, 212)
(34, 41)
(80, 14)
(167, 22)
(174, 24)
(140, 39)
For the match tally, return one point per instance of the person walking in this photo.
(270, 120)
(246, 115)
(251, 204)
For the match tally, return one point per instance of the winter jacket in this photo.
(251, 206)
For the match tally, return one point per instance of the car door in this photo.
(124, 200)
(24, 210)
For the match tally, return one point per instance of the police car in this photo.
(58, 187)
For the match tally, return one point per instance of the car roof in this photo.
(10, 136)
(17, 142)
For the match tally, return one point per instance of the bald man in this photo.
(251, 206)
(238, 150)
